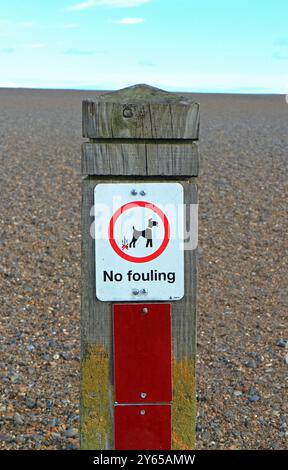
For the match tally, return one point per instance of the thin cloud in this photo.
(107, 3)
(82, 52)
(280, 51)
(280, 55)
(7, 50)
(25, 24)
(8, 85)
(126, 21)
(281, 41)
(6, 35)
(19, 24)
(71, 26)
(147, 63)
(32, 46)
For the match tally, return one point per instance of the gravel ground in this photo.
(243, 300)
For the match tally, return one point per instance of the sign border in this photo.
(124, 208)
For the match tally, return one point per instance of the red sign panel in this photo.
(142, 353)
(140, 427)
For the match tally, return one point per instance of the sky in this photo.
(236, 46)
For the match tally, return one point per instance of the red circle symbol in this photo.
(131, 205)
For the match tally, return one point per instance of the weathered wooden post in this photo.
(141, 157)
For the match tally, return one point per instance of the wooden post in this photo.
(136, 134)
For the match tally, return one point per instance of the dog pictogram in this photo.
(146, 233)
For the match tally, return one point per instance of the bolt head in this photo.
(135, 291)
(145, 310)
(143, 395)
(143, 193)
(144, 291)
(142, 412)
(134, 192)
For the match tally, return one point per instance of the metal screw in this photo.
(134, 192)
(135, 291)
(143, 395)
(145, 310)
(142, 412)
(143, 193)
(144, 291)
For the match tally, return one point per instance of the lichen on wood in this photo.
(184, 405)
(142, 93)
(96, 398)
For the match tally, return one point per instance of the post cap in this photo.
(141, 112)
(145, 94)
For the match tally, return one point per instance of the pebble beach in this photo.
(242, 347)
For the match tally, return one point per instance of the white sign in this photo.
(139, 241)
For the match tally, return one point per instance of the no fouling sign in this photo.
(139, 231)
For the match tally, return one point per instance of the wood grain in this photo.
(140, 159)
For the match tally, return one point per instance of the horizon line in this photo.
(232, 91)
